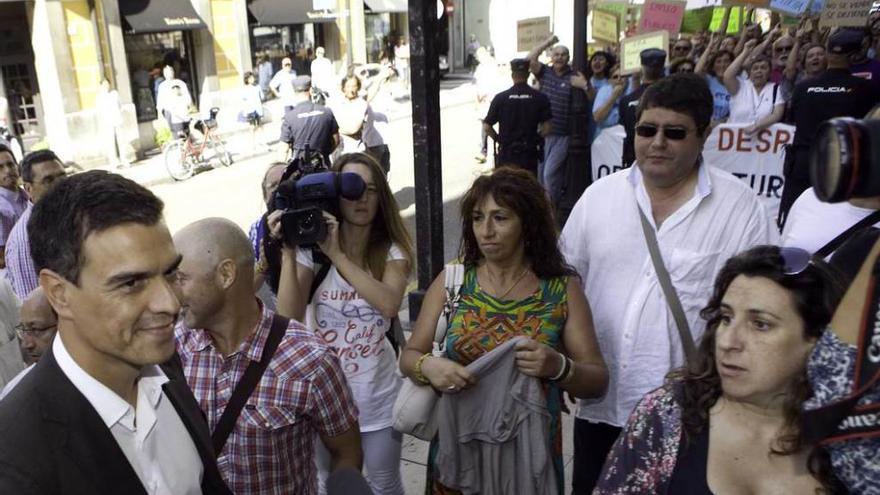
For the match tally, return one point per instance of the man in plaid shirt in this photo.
(223, 327)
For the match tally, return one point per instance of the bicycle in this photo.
(183, 156)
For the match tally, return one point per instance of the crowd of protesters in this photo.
(667, 314)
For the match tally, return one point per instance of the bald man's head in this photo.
(38, 325)
(217, 269)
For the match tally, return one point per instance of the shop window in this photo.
(296, 41)
(147, 54)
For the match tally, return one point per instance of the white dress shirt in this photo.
(152, 437)
(748, 106)
(811, 223)
(603, 240)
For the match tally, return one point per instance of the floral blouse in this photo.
(644, 455)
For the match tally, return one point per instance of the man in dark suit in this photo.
(98, 415)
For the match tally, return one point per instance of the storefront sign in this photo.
(845, 13)
(605, 26)
(630, 48)
(182, 21)
(757, 160)
(531, 32)
(661, 15)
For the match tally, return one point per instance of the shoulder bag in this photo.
(415, 411)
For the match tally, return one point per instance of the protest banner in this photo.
(605, 26)
(630, 48)
(695, 21)
(732, 24)
(791, 7)
(531, 32)
(619, 9)
(757, 159)
(845, 13)
(661, 15)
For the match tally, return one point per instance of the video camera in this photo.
(845, 159)
(304, 200)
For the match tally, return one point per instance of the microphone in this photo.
(347, 481)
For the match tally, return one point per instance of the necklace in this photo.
(514, 284)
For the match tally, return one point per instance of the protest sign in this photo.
(845, 13)
(661, 15)
(733, 22)
(630, 48)
(605, 27)
(791, 7)
(619, 9)
(696, 20)
(757, 160)
(531, 32)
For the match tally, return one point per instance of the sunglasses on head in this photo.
(795, 260)
(672, 133)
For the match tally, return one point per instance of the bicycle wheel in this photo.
(177, 162)
(219, 151)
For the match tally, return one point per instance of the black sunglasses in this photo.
(795, 260)
(672, 133)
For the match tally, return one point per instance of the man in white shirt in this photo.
(701, 216)
(281, 84)
(811, 223)
(172, 98)
(98, 414)
(323, 77)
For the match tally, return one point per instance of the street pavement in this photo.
(234, 193)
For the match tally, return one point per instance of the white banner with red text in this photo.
(756, 159)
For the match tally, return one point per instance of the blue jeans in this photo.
(551, 171)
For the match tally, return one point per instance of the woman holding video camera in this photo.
(351, 302)
(731, 423)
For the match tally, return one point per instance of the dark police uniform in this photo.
(518, 112)
(835, 93)
(309, 125)
(626, 108)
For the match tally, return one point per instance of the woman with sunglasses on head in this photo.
(756, 101)
(516, 284)
(369, 257)
(731, 422)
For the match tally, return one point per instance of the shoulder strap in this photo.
(775, 90)
(320, 275)
(248, 382)
(684, 333)
(835, 243)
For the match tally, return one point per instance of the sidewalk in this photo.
(455, 89)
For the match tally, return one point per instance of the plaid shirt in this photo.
(303, 392)
(20, 270)
(12, 205)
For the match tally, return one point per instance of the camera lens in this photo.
(842, 160)
(307, 224)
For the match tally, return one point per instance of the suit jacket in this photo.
(53, 442)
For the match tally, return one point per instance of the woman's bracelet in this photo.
(570, 373)
(563, 368)
(417, 369)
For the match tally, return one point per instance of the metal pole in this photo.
(578, 168)
(425, 84)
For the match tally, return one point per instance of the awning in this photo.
(378, 6)
(284, 12)
(157, 16)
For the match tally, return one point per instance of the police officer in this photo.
(519, 112)
(309, 126)
(653, 62)
(835, 93)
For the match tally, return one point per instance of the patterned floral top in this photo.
(483, 322)
(643, 457)
(830, 370)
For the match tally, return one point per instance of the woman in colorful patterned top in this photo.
(731, 424)
(516, 283)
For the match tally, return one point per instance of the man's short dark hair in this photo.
(7, 149)
(684, 93)
(34, 157)
(79, 206)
